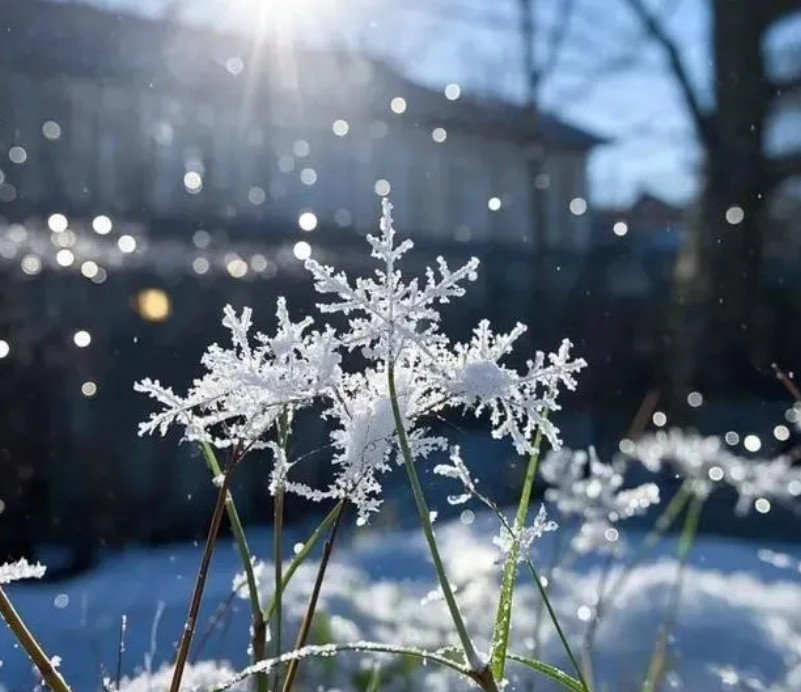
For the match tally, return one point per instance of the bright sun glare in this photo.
(293, 19)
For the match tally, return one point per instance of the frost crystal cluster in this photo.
(257, 382)
(248, 386)
(582, 486)
(704, 462)
(525, 538)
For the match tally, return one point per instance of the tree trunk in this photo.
(735, 190)
(714, 333)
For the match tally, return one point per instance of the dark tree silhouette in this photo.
(716, 312)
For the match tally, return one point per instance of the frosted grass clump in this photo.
(246, 402)
(774, 479)
(584, 486)
(380, 416)
(259, 379)
(692, 456)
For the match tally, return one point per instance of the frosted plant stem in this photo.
(555, 620)
(278, 540)
(580, 682)
(200, 581)
(278, 558)
(503, 616)
(656, 667)
(41, 660)
(531, 662)
(120, 652)
(246, 558)
(481, 669)
(436, 657)
(305, 627)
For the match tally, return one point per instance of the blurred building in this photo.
(141, 119)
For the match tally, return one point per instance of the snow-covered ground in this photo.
(738, 611)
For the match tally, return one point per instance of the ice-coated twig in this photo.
(326, 650)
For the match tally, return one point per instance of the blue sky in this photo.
(608, 78)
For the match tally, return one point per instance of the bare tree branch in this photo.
(777, 9)
(657, 31)
(784, 85)
(487, 19)
(556, 37)
(784, 166)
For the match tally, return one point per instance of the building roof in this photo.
(650, 222)
(84, 41)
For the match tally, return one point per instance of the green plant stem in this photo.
(301, 556)
(298, 559)
(559, 631)
(246, 558)
(305, 627)
(689, 532)
(589, 634)
(374, 683)
(27, 641)
(543, 596)
(550, 672)
(503, 616)
(471, 656)
(200, 581)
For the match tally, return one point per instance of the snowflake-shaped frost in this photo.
(386, 314)
(518, 403)
(247, 387)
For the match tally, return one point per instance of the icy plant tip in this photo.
(526, 536)
(21, 569)
(386, 315)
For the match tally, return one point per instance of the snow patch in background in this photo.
(739, 614)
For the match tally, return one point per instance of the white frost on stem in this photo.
(19, 570)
